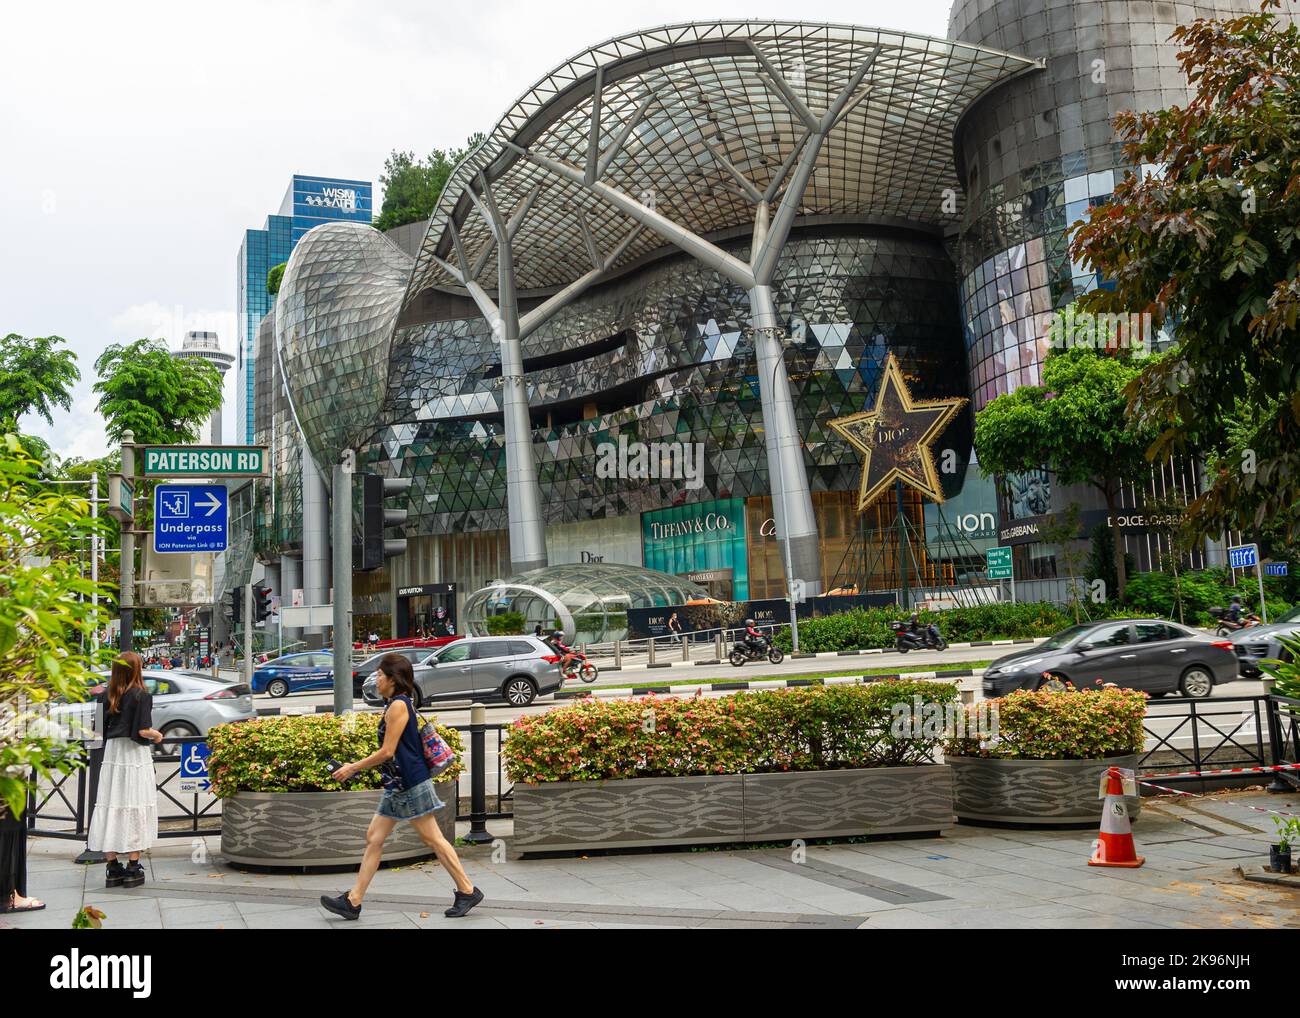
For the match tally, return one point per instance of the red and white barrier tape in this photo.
(1230, 802)
(1229, 770)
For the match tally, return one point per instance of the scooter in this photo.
(581, 668)
(742, 652)
(1226, 626)
(927, 638)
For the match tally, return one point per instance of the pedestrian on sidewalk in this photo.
(13, 865)
(408, 793)
(125, 821)
(675, 627)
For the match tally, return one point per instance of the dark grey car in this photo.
(1152, 655)
(517, 669)
(1260, 643)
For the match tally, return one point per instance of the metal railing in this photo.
(196, 816)
(1225, 733)
(62, 808)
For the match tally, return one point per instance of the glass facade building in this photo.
(932, 224)
(309, 201)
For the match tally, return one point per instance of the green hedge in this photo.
(1200, 590)
(289, 754)
(804, 728)
(863, 628)
(1086, 724)
(505, 624)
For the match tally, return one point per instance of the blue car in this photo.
(294, 673)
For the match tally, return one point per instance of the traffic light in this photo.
(373, 547)
(235, 605)
(261, 603)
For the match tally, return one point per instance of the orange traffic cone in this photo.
(1114, 844)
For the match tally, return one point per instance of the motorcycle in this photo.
(580, 668)
(742, 652)
(927, 638)
(1226, 625)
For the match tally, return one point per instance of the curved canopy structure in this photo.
(588, 601)
(700, 122)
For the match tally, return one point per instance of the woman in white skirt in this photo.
(125, 821)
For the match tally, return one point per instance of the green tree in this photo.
(1211, 246)
(275, 277)
(35, 377)
(1074, 425)
(412, 186)
(164, 400)
(47, 620)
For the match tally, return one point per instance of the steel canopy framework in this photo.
(689, 131)
(669, 101)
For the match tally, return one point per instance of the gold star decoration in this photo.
(895, 437)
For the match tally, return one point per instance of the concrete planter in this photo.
(318, 828)
(647, 812)
(1033, 792)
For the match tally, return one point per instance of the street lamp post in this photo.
(785, 536)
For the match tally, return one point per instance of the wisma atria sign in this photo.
(334, 198)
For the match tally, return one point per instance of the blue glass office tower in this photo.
(309, 201)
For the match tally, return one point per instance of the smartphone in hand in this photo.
(331, 764)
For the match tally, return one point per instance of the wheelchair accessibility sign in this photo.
(194, 767)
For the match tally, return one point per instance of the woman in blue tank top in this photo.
(408, 793)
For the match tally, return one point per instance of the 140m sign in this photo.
(204, 461)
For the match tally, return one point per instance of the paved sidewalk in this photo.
(971, 877)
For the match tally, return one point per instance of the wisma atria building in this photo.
(707, 238)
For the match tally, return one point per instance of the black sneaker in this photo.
(134, 875)
(114, 874)
(341, 906)
(463, 903)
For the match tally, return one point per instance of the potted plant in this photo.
(805, 762)
(1045, 762)
(281, 808)
(1279, 855)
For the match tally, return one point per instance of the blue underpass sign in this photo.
(194, 767)
(189, 517)
(1275, 568)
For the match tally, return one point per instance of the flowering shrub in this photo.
(290, 754)
(804, 728)
(1087, 724)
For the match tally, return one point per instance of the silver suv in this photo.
(517, 669)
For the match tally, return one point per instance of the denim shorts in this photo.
(409, 803)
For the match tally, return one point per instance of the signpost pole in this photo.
(1013, 578)
(248, 635)
(94, 556)
(126, 595)
(1259, 575)
(341, 526)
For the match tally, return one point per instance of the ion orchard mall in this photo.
(696, 246)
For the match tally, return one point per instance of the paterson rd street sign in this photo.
(204, 461)
(189, 518)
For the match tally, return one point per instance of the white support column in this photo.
(526, 524)
(771, 230)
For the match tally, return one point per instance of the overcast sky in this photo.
(138, 140)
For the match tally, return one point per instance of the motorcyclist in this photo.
(567, 654)
(1233, 614)
(755, 641)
